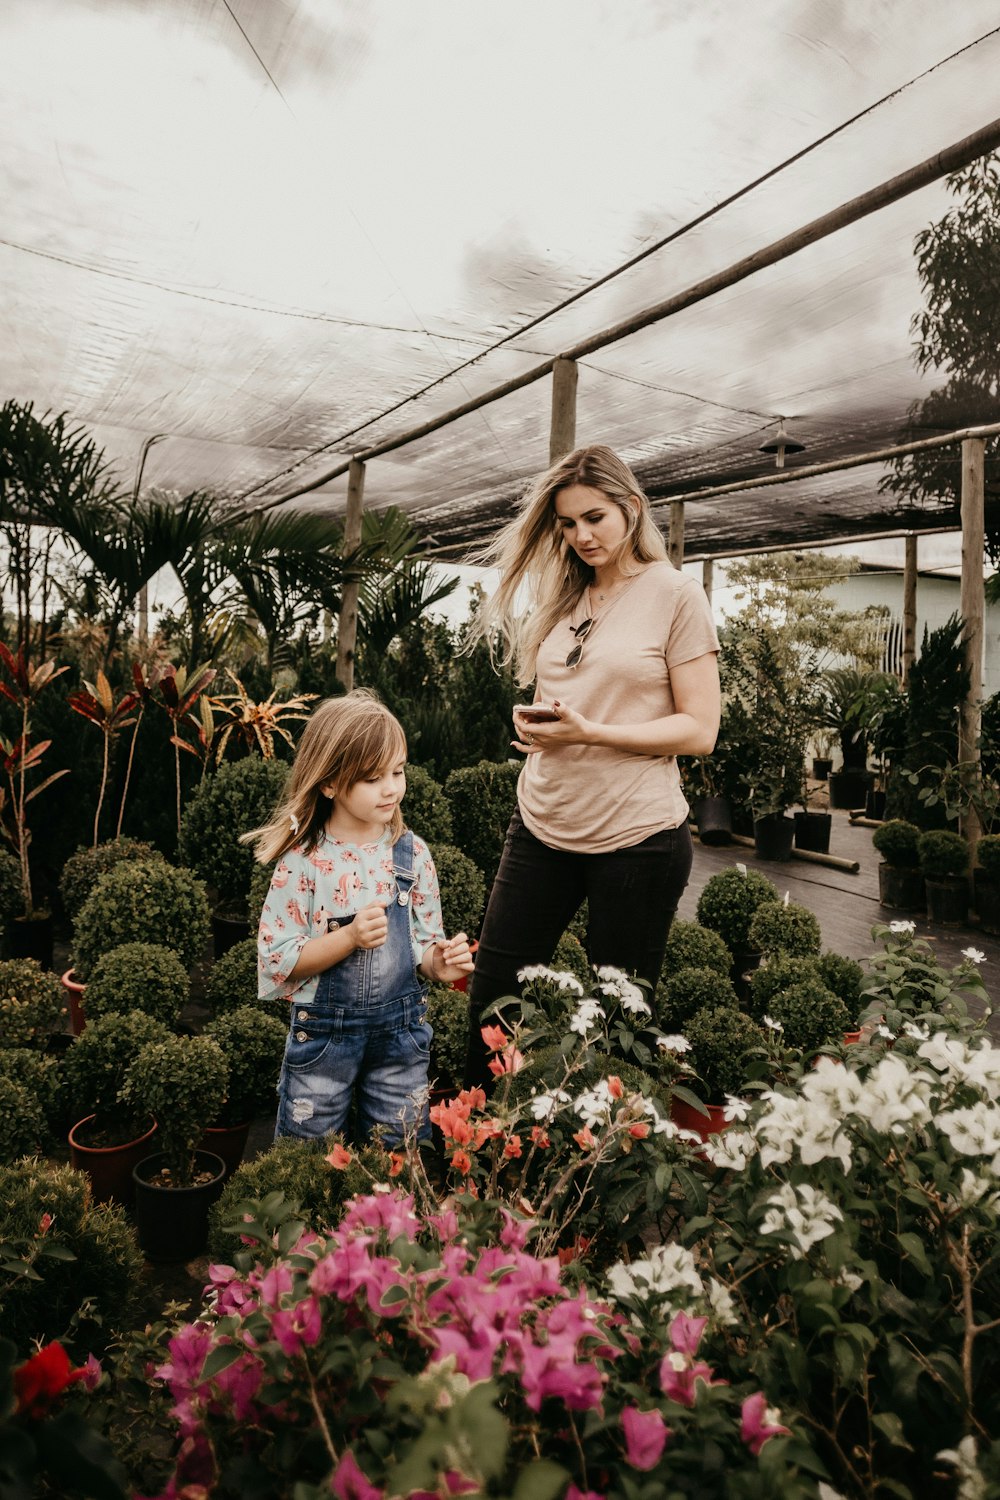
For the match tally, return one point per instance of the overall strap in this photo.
(403, 867)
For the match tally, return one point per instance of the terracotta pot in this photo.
(74, 992)
(851, 1038)
(109, 1167)
(227, 1141)
(686, 1117)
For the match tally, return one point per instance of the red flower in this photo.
(513, 1147)
(615, 1086)
(538, 1137)
(584, 1139)
(42, 1378)
(462, 1162)
(639, 1130)
(397, 1161)
(494, 1036)
(339, 1158)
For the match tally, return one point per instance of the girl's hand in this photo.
(448, 959)
(568, 728)
(371, 926)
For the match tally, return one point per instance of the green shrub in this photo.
(22, 1123)
(85, 1297)
(448, 1017)
(729, 900)
(692, 946)
(463, 890)
(232, 980)
(722, 1043)
(577, 924)
(897, 841)
(182, 1081)
(426, 808)
(42, 1075)
(571, 957)
(138, 976)
(777, 974)
(83, 870)
(545, 1068)
(988, 855)
(810, 1014)
(483, 798)
(680, 995)
(260, 884)
(253, 1045)
(844, 976)
(943, 853)
(11, 890)
(139, 900)
(241, 795)
(31, 1003)
(784, 927)
(95, 1068)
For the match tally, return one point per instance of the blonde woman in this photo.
(621, 647)
(350, 927)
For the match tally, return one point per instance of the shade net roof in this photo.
(272, 233)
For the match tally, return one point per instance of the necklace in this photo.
(603, 595)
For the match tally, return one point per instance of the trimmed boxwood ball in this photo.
(896, 841)
(253, 1045)
(780, 927)
(811, 1015)
(142, 901)
(844, 977)
(232, 981)
(139, 976)
(988, 855)
(689, 990)
(483, 798)
(95, 1068)
(463, 890)
(183, 1082)
(692, 946)
(84, 868)
(31, 1003)
(777, 974)
(11, 891)
(722, 1042)
(42, 1075)
(241, 795)
(571, 957)
(426, 809)
(260, 884)
(22, 1123)
(448, 1018)
(942, 853)
(729, 900)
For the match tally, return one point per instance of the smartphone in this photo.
(538, 713)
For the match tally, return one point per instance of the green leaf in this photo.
(221, 1357)
(544, 1480)
(890, 1425)
(912, 1247)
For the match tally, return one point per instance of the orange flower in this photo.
(584, 1139)
(473, 1098)
(538, 1137)
(462, 1162)
(615, 1087)
(494, 1036)
(639, 1130)
(508, 1061)
(513, 1147)
(339, 1158)
(397, 1162)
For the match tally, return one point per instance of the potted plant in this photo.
(784, 927)
(900, 879)
(448, 1018)
(843, 694)
(426, 809)
(253, 1044)
(184, 1082)
(703, 779)
(111, 1134)
(231, 981)
(690, 945)
(689, 990)
(723, 1043)
(844, 976)
(148, 897)
(775, 782)
(809, 1014)
(139, 976)
(727, 904)
(813, 826)
(987, 883)
(84, 868)
(780, 972)
(822, 760)
(944, 859)
(31, 1004)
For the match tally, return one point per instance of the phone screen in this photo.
(539, 713)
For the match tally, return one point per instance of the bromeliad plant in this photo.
(21, 685)
(255, 726)
(96, 703)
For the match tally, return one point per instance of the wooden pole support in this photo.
(347, 628)
(973, 608)
(707, 578)
(562, 426)
(675, 541)
(909, 605)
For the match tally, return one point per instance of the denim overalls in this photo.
(364, 1031)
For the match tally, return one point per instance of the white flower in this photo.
(668, 1268)
(979, 1066)
(586, 1016)
(827, 1492)
(974, 1131)
(612, 975)
(850, 1279)
(974, 1191)
(918, 1033)
(805, 1212)
(893, 1097)
(720, 1300)
(544, 1106)
(293, 820)
(972, 1483)
(736, 1109)
(899, 928)
(974, 955)
(631, 1000)
(594, 1105)
(674, 1043)
(559, 977)
(890, 1036)
(771, 1024)
(731, 1150)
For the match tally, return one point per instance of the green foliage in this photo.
(728, 901)
(483, 798)
(723, 1042)
(31, 1003)
(241, 795)
(41, 1075)
(810, 1014)
(844, 976)
(155, 900)
(139, 976)
(253, 1045)
(571, 957)
(688, 990)
(448, 1017)
(692, 946)
(84, 868)
(907, 982)
(426, 808)
(232, 982)
(182, 1081)
(988, 855)
(88, 1273)
(942, 853)
(260, 882)
(784, 927)
(778, 974)
(775, 684)
(936, 687)
(11, 898)
(95, 1068)
(463, 890)
(896, 841)
(22, 1123)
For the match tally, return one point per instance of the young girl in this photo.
(352, 919)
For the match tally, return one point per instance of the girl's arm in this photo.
(368, 930)
(438, 958)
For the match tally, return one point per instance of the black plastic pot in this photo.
(773, 835)
(172, 1222)
(875, 804)
(227, 931)
(849, 788)
(714, 816)
(822, 766)
(812, 831)
(745, 963)
(988, 903)
(948, 900)
(901, 889)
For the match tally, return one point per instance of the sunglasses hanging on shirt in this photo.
(581, 632)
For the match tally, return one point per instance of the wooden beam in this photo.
(562, 427)
(347, 628)
(675, 540)
(909, 604)
(973, 609)
(707, 572)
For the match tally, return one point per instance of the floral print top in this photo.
(335, 879)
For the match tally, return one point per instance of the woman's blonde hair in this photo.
(531, 552)
(345, 740)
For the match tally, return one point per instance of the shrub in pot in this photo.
(42, 1075)
(94, 1069)
(900, 879)
(987, 883)
(260, 884)
(844, 976)
(31, 1003)
(142, 897)
(810, 1015)
(22, 1123)
(784, 927)
(463, 890)
(483, 798)
(779, 973)
(944, 859)
(728, 901)
(723, 1042)
(183, 1081)
(426, 809)
(253, 1045)
(682, 994)
(231, 981)
(239, 796)
(448, 1018)
(139, 976)
(692, 946)
(11, 891)
(84, 868)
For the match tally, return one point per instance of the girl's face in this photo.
(361, 811)
(591, 523)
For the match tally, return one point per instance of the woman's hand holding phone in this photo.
(528, 717)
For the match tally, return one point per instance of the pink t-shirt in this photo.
(591, 798)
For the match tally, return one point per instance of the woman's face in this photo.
(591, 523)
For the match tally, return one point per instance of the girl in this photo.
(622, 649)
(351, 919)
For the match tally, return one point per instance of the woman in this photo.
(622, 649)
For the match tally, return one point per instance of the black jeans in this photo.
(632, 895)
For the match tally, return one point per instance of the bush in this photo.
(22, 1123)
(448, 1017)
(253, 1045)
(140, 898)
(680, 995)
(42, 1076)
(988, 855)
(138, 976)
(777, 974)
(11, 890)
(722, 1043)
(232, 980)
(84, 868)
(571, 957)
(31, 1003)
(241, 795)
(942, 853)
(691, 946)
(463, 890)
(483, 798)
(95, 1068)
(896, 841)
(784, 927)
(183, 1082)
(844, 977)
(260, 884)
(810, 1014)
(728, 902)
(426, 808)
(99, 1277)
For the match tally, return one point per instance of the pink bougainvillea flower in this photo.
(339, 1157)
(679, 1376)
(758, 1422)
(686, 1332)
(646, 1436)
(494, 1036)
(349, 1482)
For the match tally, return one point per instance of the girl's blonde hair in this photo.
(345, 740)
(532, 552)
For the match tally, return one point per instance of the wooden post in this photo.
(973, 608)
(675, 541)
(707, 571)
(909, 605)
(347, 628)
(562, 427)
